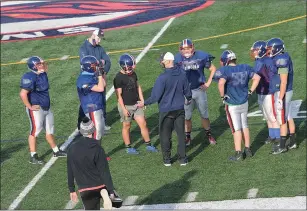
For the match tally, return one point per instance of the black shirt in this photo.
(88, 165)
(129, 86)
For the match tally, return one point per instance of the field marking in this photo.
(70, 205)
(33, 182)
(65, 57)
(130, 200)
(191, 196)
(305, 40)
(224, 46)
(177, 43)
(24, 60)
(252, 193)
(298, 202)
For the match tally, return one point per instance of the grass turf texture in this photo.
(209, 171)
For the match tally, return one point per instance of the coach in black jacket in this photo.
(88, 166)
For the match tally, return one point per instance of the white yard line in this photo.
(191, 196)
(31, 184)
(70, 205)
(224, 46)
(130, 200)
(252, 193)
(298, 202)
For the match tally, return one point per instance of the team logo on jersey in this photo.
(40, 19)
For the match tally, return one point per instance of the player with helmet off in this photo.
(129, 93)
(34, 94)
(282, 87)
(193, 63)
(233, 88)
(90, 85)
(265, 68)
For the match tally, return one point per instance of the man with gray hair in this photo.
(87, 165)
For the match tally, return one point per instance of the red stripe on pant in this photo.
(273, 105)
(33, 126)
(229, 118)
(92, 116)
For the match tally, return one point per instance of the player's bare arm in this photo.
(283, 85)
(256, 79)
(141, 103)
(221, 87)
(100, 86)
(24, 97)
(212, 70)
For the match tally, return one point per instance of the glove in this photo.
(187, 102)
(100, 70)
(279, 104)
(224, 98)
(250, 93)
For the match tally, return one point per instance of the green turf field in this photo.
(209, 172)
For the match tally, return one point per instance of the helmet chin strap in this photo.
(187, 55)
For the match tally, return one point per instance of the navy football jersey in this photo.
(194, 67)
(237, 78)
(38, 87)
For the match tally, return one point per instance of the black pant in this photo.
(91, 199)
(167, 122)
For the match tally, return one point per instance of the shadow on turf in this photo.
(8, 152)
(172, 192)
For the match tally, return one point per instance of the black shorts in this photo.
(91, 199)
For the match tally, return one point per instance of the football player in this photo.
(264, 67)
(129, 94)
(34, 94)
(233, 88)
(282, 85)
(90, 85)
(193, 63)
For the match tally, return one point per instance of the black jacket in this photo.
(88, 165)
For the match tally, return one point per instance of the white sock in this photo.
(55, 149)
(32, 153)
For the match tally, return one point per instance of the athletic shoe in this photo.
(184, 163)
(212, 140)
(106, 127)
(117, 202)
(35, 160)
(107, 203)
(167, 163)
(59, 153)
(237, 156)
(187, 141)
(132, 151)
(279, 150)
(248, 152)
(151, 148)
(292, 146)
(269, 140)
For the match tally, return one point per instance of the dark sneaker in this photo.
(237, 156)
(184, 163)
(269, 140)
(167, 163)
(59, 153)
(117, 202)
(248, 152)
(35, 160)
(212, 140)
(279, 150)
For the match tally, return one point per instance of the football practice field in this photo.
(235, 24)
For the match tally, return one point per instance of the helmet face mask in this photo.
(187, 52)
(90, 64)
(275, 46)
(41, 67)
(186, 48)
